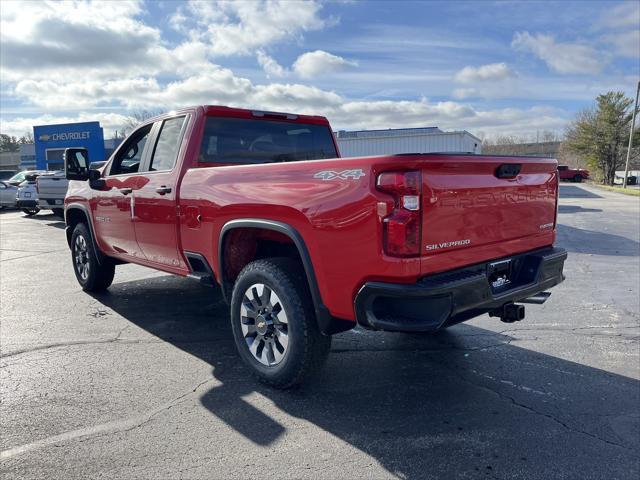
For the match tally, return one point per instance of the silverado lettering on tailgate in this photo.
(455, 243)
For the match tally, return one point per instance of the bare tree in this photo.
(26, 138)
(136, 117)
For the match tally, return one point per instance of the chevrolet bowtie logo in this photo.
(44, 138)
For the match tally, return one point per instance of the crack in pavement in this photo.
(99, 342)
(96, 431)
(533, 410)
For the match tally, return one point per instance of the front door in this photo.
(156, 215)
(113, 207)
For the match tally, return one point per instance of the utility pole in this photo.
(633, 123)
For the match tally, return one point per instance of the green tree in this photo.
(601, 134)
(8, 144)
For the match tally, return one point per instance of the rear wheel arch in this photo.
(297, 247)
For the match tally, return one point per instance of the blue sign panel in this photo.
(51, 140)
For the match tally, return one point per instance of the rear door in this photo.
(155, 210)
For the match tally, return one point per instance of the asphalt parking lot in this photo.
(144, 381)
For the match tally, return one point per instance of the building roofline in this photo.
(455, 132)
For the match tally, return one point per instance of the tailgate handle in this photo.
(508, 170)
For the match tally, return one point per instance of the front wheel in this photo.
(31, 211)
(577, 178)
(273, 323)
(92, 275)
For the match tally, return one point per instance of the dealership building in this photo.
(363, 143)
(46, 153)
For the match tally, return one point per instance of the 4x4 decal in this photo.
(343, 175)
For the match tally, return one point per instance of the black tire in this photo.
(93, 276)
(58, 212)
(306, 347)
(31, 211)
(577, 178)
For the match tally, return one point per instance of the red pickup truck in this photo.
(572, 174)
(304, 244)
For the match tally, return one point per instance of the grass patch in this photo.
(635, 192)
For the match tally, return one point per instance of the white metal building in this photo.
(363, 143)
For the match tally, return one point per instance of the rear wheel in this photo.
(31, 211)
(577, 178)
(273, 324)
(93, 276)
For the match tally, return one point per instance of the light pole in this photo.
(633, 123)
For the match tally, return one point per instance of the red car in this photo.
(304, 244)
(572, 174)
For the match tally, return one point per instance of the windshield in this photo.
(240, 141)
(18, 177)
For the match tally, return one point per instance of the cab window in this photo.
(129, 157)
(168, 144)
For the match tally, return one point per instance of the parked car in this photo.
(6, 174)
(7, 195)
(20, 177)
(52, 188)
(305, 244)
(572, 174)
(27, 196)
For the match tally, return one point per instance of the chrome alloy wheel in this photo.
(264, 323)
(81, 257)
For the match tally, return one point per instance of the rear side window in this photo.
(168, 144)
(242, 141)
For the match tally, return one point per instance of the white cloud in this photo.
(222, 86)
(626, 14)
(271, 67)
(39, 39)
(566, 58)
(319, 62)
(626, 44)
(484, 73)
(233, 28)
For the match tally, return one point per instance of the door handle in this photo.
(162, 190)
(126, 191)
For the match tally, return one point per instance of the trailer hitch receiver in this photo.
(509, 313)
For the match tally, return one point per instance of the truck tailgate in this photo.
(52, 185)
(470, 215)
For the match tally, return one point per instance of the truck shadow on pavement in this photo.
(576, 209)
(461, 403)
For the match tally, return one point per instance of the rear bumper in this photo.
(51, 203)
(27, 203)
(447, 298)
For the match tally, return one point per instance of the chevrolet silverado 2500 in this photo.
(304, 244)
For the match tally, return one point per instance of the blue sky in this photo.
(488, 67)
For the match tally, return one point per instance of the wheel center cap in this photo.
(262, 325)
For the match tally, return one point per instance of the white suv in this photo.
(27, 197)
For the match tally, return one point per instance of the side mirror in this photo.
(95, 179)
(76, 163)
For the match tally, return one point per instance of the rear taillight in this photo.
(37, 186)
(402, 226)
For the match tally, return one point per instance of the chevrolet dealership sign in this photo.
(65, 136)
(50, 140)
